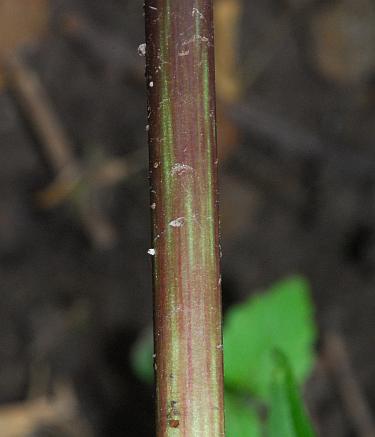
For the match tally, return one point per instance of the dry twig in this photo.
(58, 150)
(348, 385)
(60, 410)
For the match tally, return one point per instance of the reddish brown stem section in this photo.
(185, 241)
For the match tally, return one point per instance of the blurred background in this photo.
(296, 109)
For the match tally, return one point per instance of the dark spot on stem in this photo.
(174, 423)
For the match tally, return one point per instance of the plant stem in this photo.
(183, 165)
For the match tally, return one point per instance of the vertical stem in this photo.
(183, 165)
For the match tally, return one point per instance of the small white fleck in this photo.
(147, 127)
(195, 38)
(153, 8)
(184, 53)
(153, 205)
(154, 356)
(151, 252)
(179, 169)
(178, 222)
(151, 84)
(142, 49)
(219, 346)
(196, 12)
(156, 164)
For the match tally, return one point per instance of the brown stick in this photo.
(58, 149)
(60, 410)
(38, 108)
(348, 386)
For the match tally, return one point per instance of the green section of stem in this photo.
(167, 189)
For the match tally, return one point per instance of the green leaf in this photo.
(287, 416)
(240, 419)
(280, 319)
(141, 357)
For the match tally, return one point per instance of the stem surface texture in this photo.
(185, 241)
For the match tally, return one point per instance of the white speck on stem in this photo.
(184, 53)
(219, 346)
(151, 252)
(196, 12)
(195, 38)
(153, 8)
(156, 164)
(147, 127)
(153, 205)
(179, 169)
(158, 236)
(178, 222)
(151, 84)
(142, 49)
